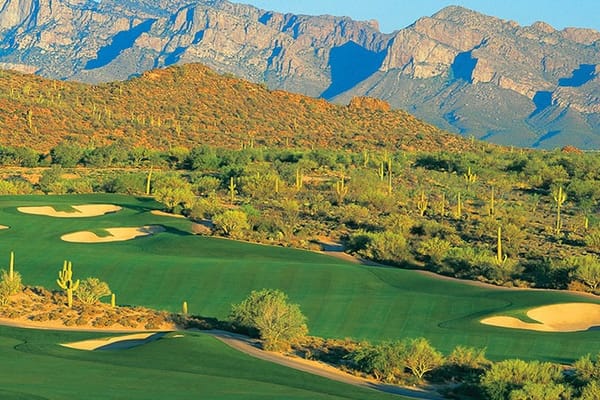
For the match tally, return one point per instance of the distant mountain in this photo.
(191, 105)
(461, 70)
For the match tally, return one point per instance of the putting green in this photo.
(340, 299)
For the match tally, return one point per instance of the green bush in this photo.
(268, 312)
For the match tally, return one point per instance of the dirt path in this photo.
(249, 346)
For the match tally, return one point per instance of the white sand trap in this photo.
(566, 317)
(166, 214)
(114, 343)
(85, 210)
(115, 234)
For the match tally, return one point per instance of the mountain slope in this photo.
(191, 105)
(463, 71)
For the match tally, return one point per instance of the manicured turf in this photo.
(195, 366)
(340, 299)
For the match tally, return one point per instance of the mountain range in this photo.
(478, 75)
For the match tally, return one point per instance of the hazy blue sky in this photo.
(396, 14)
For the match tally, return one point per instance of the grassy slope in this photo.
(340, 299)
(195, 366)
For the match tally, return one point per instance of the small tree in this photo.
(91, 290)
(267, 311)
(420, 357)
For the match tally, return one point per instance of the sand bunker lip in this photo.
(115, 234)
(565, 317)
(116, 342)
(80, 211)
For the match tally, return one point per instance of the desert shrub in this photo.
(433, 250)
(384, 361)
(10, 284)
(381, 246)
(91, 290)
(231, 222)
(592, 239)
(277, 322)
(522, 378)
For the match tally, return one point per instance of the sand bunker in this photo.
(166, 214)
(567, 317)
(85, 210)
(115, 234)
(3, 227)
(115, 343)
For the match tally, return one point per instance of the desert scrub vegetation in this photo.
(82, 307)
(439, 210)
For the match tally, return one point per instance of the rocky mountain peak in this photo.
(458, 68)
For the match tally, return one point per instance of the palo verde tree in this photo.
(91, 290)
(277, 322)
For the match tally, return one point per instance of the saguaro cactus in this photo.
(299, 178)
(458, 206)
(184, 308)
(148, 180)
(113, 300)
(232, 187)
(492, 209)
(11, 266)
(422, 203)
(500, 256)
(66, 283)
(341, 190)
(470, 177)
(559, 198)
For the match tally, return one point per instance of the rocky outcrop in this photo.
(451, 68)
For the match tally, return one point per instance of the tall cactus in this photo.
(11, 266)
(492, 209)
(470, 177)
(184, 308)
(389, 180)
(458, 206)
(113, 300)
(232, 187)
(559, 198)
(299, 179)
(341, 190)
(148, 181)
(66, 283)
(443, 205)
(422, 203)
(500, 256)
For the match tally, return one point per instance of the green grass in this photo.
(195, 366)
(339, 298)
(64, 208)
